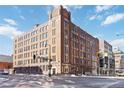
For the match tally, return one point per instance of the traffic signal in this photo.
(101, 62)
(34, 57)
(50, 59)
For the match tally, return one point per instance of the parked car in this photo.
(4, 72)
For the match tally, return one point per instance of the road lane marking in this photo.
(69, 81)
(111, 84)
(65, 86)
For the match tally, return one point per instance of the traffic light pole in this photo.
(50, 66)
(49, 59)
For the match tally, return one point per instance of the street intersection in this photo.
(38, 81)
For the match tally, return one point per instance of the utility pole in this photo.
(50, 66)
(49, 59)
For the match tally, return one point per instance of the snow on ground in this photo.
(73, 76)
(68, 81)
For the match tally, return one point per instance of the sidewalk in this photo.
(110, 77)
(49, 79)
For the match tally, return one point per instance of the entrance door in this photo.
(54, 71)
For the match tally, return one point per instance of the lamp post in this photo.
(50, 65)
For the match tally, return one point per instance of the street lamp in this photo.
(50, 65)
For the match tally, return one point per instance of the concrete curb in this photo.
(105, 77)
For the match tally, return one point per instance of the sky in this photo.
(105, 22)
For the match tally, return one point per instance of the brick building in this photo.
(5, 62)
(73, 50)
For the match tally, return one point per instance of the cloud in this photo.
(99, 35)
(10, 21)
(9, 31)
(93, 17)
(103, 8)
(31, 11)
(118, 42)
(22, 17)
(71, 7)
(113, 18)
(77, 7)
(65, 6)
(17, 9)
(98, 10)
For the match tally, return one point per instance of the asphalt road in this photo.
(26, 81)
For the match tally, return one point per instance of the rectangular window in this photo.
(46, 67)
(15, 46)
(44, 35)
(66, 41)
(42, 52)
(53, 32)
(43, 67)
(40, 60)
(66, 50)
(15, 51)
(53, 49)
(53, 23)
(46, 51)
(40, 44)
(42, 29)
(65, 24)
(66, 59)
(44, 43)
(15, 41)
(53, 40)
(46, 27)
(15, 57)
(53, 58)
(34, 39)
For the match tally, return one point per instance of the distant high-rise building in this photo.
(73, 50)
(119, 60)
(106, 62)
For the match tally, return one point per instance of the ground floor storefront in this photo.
(106, 72)
(28, 70)
(76, 69)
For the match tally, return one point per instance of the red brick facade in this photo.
(5, 65)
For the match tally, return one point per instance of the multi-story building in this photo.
(6, 62)
(72, 49)
(106, 58)
(119, 60)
